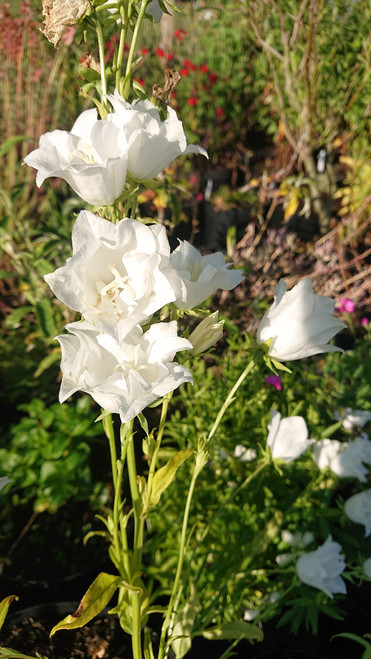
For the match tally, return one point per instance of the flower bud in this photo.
(207, 332)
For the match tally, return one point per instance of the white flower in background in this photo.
(299, 322)
(367, 568)
(345, 459)
(287, 438)
(201, 276)
(122, 376)
(297, 539)
(154, 144)
(4, 480)
(119, 274)
(244, 454)
(92, 158)
(251, 614)
(358, 509)
(207, 332)
(353, 419)
(322, 567)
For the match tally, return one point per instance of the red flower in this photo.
(169, 56)
(219, 112)
(189, 64)
(180, 34)
(204, 68)
(144, 51)
(184, 72)
(140, 81)
(213, 77)
(160, 52)
(192, 101)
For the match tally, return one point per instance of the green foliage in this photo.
(47, 456)
(239, 509)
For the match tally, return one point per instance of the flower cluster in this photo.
(96, 155)
(118, 277)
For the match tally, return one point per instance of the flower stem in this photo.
(165, 407)
(168, 623)
(229, 398)
(121, 49)
(129, 63)
(102, 62)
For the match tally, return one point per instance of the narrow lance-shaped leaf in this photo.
(95, 599)
(4, 606)
(233, 630)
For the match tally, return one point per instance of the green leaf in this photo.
(8, 653)
(13, 319)
(95, 599)
(45, 363)
(357, 639)
(44, 316)
(164, 476)
(12, 141)
(234, 629)
(4, 606)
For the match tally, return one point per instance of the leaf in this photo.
(44, 317)
(12, 141)
(293, 204)
(182, 633)
(13, 319)
(164, 476)
(8, 653)
(95, 599)
(232, 630)
(357, 639)
(45, 363)
(4, 606)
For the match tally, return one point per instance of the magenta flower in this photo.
(346, 305)
(275, 381)
(364, 321)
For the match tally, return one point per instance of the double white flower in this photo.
(122, 376)
(118, 277)
(96, 154)
(345, 459)
(287, 438)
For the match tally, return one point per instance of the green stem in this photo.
(229, 398)
(168, 623)
(137, 545)
(151, 473)
(108, 429)
(102, 63)
(129, 63)
(121, 50)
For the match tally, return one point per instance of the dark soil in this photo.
(102, 637)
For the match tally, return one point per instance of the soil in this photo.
(101, 638)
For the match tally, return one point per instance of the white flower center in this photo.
(196, 271)
(118, 284)
(86, 153)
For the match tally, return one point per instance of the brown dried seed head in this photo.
(60, 14)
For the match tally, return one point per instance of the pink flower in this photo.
(364, 321)
(275, 381)
(346, 305)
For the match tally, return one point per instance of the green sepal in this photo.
(95, 599)
(4, 606)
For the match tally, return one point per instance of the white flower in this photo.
(322, 567)
(299, 322)
(358, 509)
(119, 274)
(367, 568)
(353, 419)
(297, 539)
(92, 158)
(244, 454)
(345, 459)
(201, 276)
(287, 438)
(122, 376)
(4, 480)
(207, 332)
(154, 144)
